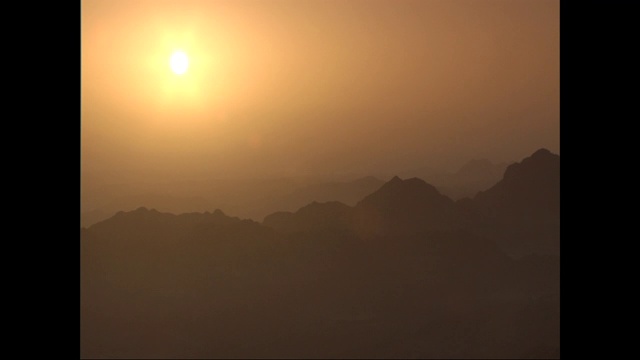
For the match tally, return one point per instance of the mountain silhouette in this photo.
(398, 206)
(207, 285)
(528, 189)
(405, 272)
(401, 206)
(480, 168)
(315, 216)
(474, 176)
(523, 209)
(348, 193)
(245, 198)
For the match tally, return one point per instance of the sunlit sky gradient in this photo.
(292, 88)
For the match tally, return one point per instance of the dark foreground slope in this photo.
(405, 273)
(522, 211)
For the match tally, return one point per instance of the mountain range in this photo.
(257, 198)
(405, 272)
(473, 176)
(244, 198)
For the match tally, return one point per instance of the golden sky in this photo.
(287, 88)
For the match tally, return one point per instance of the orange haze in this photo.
(289, 88)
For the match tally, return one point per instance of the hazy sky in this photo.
(303, 87)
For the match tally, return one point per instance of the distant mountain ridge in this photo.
(524, 204)
(252, 199)
(256, 199)
(523, 209)
(397, 206)
(474, 176)
(528, 188)
(405, 271)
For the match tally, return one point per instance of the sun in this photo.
(179, 62)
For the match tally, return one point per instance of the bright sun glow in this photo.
(179, 62)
